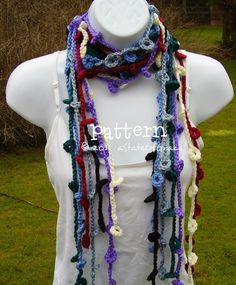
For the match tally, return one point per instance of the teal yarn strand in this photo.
(74, 185)
(93, 232)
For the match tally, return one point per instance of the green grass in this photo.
(202, 39)
(27, 239)
(216, 237)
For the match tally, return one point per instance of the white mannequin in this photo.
(122, 22)
(30, 83)
(29, 91)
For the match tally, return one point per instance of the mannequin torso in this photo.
(30, 83)
(30, 92)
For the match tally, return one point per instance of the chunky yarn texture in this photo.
(89, 56)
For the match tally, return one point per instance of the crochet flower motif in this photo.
(192, 191)
(111, 255)
(116, 231)
(77, 196)
(179, 166)
(195, 133)
(112, 60)
(160, 76)
(192, 226)
(130, 56)
(165, 164)
(157, 180)
(162, 272)
(80, 264)
(89, 61)
(164, 207)
(69, 146)
(192, 258)
(146, 44)
(194, 154)
(179, 212)
(179, 128)
(113, 86)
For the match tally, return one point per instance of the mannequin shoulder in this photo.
(29, 90)
(210, 87)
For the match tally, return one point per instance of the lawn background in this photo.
(27, 233)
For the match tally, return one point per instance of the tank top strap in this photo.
(188, 82)
(55, 82)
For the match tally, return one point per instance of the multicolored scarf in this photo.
(90, 56)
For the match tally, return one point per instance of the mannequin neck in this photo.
(121, 22)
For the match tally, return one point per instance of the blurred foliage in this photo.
(29, 29)
(229, 23)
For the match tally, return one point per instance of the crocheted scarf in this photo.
(90, 56)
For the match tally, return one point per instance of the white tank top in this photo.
(134, 262)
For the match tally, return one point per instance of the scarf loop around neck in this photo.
(90, 56)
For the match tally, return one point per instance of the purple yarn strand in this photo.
(111, 247)
(179, 189)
